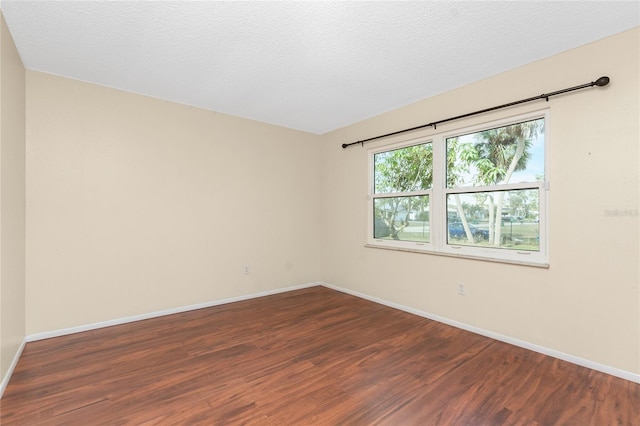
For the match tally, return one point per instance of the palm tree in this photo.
(499, 153)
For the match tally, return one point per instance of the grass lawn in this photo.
(515, 236)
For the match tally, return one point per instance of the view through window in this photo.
(479, 193)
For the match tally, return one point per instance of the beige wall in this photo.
(136, 205)
(587, 303)
(12, 200)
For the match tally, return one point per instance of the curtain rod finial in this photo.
(602, 81)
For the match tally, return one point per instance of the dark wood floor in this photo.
(312, 356)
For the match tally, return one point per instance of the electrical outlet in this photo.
(461, 290)
(246, 269)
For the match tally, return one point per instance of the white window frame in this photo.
(438, 194)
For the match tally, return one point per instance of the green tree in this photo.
(459, 159)
(401, 170)
(523, 203)
(490, 159)
(497, 154)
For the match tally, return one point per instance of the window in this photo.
(402, 187)
(476, 192)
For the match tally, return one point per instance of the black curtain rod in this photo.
(602, 81)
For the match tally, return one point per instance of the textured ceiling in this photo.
(312, 66)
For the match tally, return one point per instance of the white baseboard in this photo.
(133, 318)
(14, 362)
(627, 375)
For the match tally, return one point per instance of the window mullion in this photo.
(497, 187)
(402, 194)
(438, 216)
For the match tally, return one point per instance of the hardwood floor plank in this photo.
(311, 356)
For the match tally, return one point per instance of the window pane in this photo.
(403, 170)
(510, 154)
(401, 218)
(502, 219)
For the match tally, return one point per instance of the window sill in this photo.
(462, 256)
